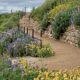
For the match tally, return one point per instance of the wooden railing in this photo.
(32, 33)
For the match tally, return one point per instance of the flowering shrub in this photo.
(43, 74)
(56, 11)
(59, 75)
(23, 62)
(9, 37)
(36, 51)
(14, 41)
(28, 73)
(60, 24)
(38, 13)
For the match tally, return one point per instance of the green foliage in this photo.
(62, 7)
(44, 23)
(48, 5)
(36, 51)
(32, 74)
(63, 19)
(60, 24)
(20, 50)
(8, 21)
(1, 49)
(52, 8)
(8, 73)
(39, 12)
(56, 11)
(3, 44)
(77, 19)
(46, 51)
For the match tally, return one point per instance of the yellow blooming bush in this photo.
(40, 74)
(37, 51)
(56, 10)
(24, 63)
(59, 75)
(30, 73)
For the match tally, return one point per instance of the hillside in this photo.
(60, 15)
(9, 20)
(34, 46)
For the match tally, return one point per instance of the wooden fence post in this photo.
(24, 30)
(32, 33)
(41, 43)
(27, 30)
(41, 33)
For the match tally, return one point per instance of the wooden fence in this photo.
(26, 31)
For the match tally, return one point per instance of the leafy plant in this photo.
(36, 51)
(57, 10)
(60, 24)
(9, 21)
(45, 51)
(39, 12)
(20, 51)
(77, 19)
(44, 23)
(7, 72)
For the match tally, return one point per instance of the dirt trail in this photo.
(66, 56)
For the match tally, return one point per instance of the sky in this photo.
(15, 5)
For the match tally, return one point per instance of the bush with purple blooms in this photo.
(8, 37)
(14, 41)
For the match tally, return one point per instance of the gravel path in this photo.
(66, 56)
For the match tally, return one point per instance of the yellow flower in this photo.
(46, 74)
(56, 78)
(36, 78)
(23, 61)
(65, 75)
(78, 78)
(66, 79)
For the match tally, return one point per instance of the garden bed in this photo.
(17, 44)
(24, 71)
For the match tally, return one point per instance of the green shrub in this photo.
(48, 5)
(36, 51)
(3, 44)
(8, 21)
(57, 10)
(31, 50)
(60, 24)
(45, 51)
(18, 51)
(39, 12)
(77, 19)
(32, 74)
(29, 73)
(1, 49)
(44, 23)
(52, 8)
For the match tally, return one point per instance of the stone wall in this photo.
(71, 36)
